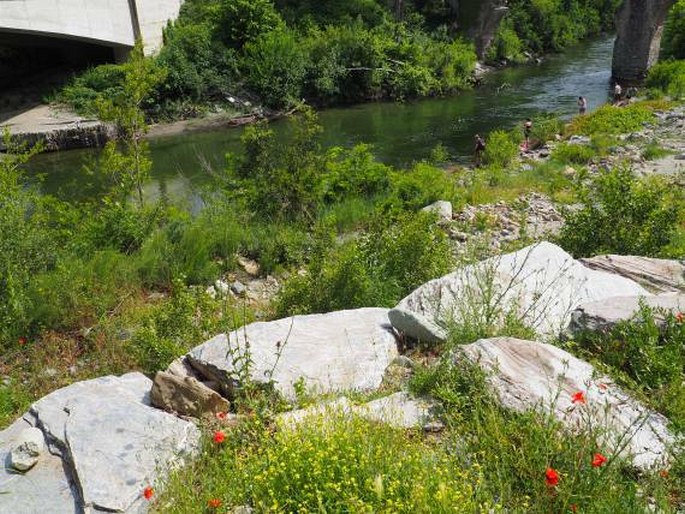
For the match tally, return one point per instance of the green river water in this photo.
(399, 132)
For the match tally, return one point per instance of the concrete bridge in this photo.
(111, 23)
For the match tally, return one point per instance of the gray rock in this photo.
(442, 208)
(528, 375)
(540, 284)
(605, 314)
(294, 418)
(399, 410)
(338, 351)
(416, 326)
(656, 275)
(112, 442)
(186, 396)
(238, 288)
(29, 447)
(46, 488)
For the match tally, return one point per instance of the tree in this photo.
(127, 159)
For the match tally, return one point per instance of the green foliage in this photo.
(332, 462)
(573, 153)
(506, 45)
(514, 449)
(240, 22)
(610, 119)
(83, 91)
(668, 77)
(655, 151)
(198, 67)
(500, 149)
(27, 245)
(173, 328)
(380, 268)
(550, 25)
(650, 350)
(274, 65)
(622, 214)
(281, 182)
(418, 187)
(673, 40)
(126, 161)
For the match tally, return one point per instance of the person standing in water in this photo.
(582, 105)
(478, 150)
(527, 130)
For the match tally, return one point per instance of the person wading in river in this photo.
(478, 150)
(582, 105)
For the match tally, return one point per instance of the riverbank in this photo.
(199, 279)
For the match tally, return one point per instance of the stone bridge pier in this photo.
(639, 27)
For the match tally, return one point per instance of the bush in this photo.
(624, 215)
(377, 270)
(610, 119)
(239, 22)
(274, 65)
(668, 77)
(673, 41)
(418, 187)
(82, 92)
(573, 153)
(500, 149)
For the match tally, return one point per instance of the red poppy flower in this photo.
(663, 473)
(578, 397)
(551, 477)
(148, 492)
(573, 507)
(22, 340)
(598, 460)
(214, 503)
(220, 416)
(680, 317)
(219, 437)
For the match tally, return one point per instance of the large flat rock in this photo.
(45, 488)
(656, 275)
(107, 444)
(604, 315)
(528, 375)
(338, 351)
(541, 284)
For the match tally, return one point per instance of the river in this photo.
(399, 132)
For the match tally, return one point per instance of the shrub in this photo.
(395, 257)
(668, 77)
(609, 119)
(82, 92)
(418, 187)
(500, 149)
(573, 153)
(673, 41)
(274, 66)
(622, 214)
(239, 22)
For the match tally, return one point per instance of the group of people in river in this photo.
(618, 99)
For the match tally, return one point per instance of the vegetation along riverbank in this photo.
(125, 284)
(325, 332)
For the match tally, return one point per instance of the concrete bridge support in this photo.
(639, 27)
(113, 23)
